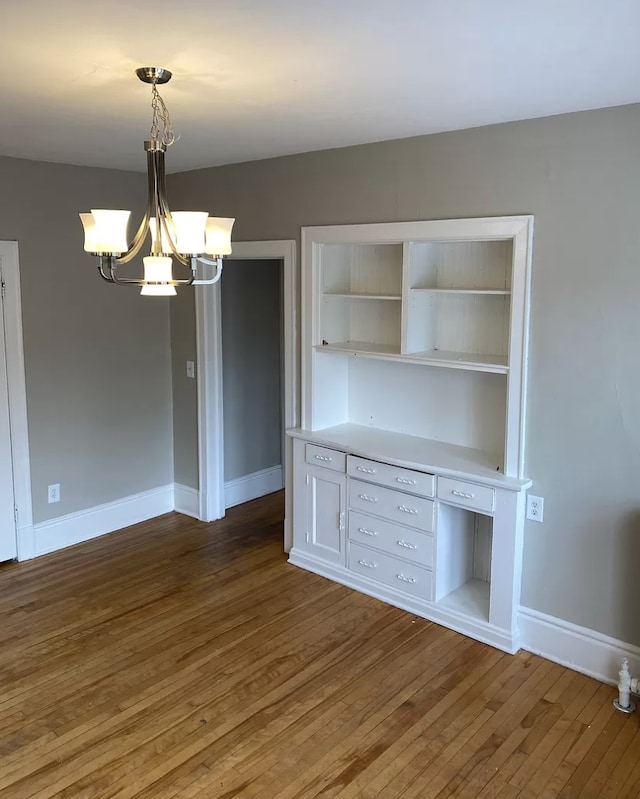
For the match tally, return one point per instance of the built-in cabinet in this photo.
(408, 467)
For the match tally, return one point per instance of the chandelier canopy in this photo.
(191, 237)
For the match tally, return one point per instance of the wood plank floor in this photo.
(176, 659)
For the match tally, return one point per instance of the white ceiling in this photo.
(259, 78)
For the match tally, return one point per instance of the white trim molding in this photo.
(575, 647)
(252, 486)
(209, 370)
(210, 407)
(65, 531)
(186, 500)
(10, 269)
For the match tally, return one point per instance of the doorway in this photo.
(210, 372)
(252, 379)
(16, 528)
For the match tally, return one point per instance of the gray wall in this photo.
(251, 367)
(580, 175)
(96, 356)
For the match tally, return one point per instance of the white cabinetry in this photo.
(409, 463)
(320, 505)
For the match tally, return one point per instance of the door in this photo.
(325, 510)
(8, 542)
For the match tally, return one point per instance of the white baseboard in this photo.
(186, 500)
(252, 486)
(578, 648)
(474, 628)
(570, 645)
(77, 527)
(26, 541)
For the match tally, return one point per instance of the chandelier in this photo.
(191, 237)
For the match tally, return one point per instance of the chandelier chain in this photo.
(161, 127)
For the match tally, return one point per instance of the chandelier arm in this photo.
(122, 281)
(217, 262)
(138, 241)
(143, 230)
(165, 213)
(165, 217)
(108, 278)
(127, 281)
(209, 262)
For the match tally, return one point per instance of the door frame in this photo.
(10, 271)
(209, 370)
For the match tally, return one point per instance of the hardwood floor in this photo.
(181, 659)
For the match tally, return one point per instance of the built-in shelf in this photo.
(364, 348)
(413, 375)
(498, 292)
(462, 360)
(494, 364)
(470, 599)
(354, 295)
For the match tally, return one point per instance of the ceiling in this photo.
(260, 78)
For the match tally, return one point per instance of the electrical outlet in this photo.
(535, 508)
(54, 493)
(191, 369)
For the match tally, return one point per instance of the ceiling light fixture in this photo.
(192, 237)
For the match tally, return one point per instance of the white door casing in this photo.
(8, 535)
(22, 519)
(209, 371)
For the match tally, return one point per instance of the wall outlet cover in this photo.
(535, 508)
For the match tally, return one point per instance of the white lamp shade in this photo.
(90, 239)
(105, 231)
(190, 231)
(218, 235)
(157, 269)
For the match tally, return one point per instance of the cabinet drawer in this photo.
(389, 571)
(393, 505)
(392, 476)
(323, 456)
(392, 538)
(468, 494)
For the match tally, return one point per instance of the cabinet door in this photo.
(325, 515)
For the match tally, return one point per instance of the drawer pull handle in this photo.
(364, 531)
(322, 458)
(405, 509)
(406, 545)
(367, 564)
(367, 498)
(404, 579)
(366, 471)
(405, 481)
(462, 494)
